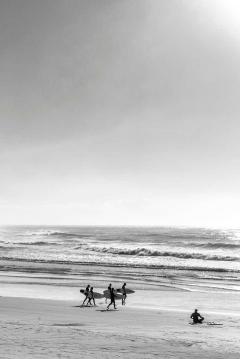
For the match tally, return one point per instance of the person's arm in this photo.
(191, 316)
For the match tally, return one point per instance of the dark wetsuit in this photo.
(109, 291)
(124, 294)
(86, 294)
(112, 297)
(197, 318)
(91, 297)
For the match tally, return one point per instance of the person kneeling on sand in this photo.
(112, 297)
(196, 317)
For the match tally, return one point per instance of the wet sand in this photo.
(38, 328)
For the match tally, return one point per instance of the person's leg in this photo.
(109, 305)
(86, 297)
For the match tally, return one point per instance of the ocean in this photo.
(146, 258)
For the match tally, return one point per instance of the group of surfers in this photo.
(89, 295)
(111, 292)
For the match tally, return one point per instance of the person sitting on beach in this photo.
(196, 317)
(124, 294)
(86, 293)
(91, 297)
(112, 297)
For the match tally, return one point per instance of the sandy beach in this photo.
(38, 328)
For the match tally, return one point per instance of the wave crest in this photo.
(142, 252)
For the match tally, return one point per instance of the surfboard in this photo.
(106, 294)
(96, 294)
(128, 291)
(208, 323)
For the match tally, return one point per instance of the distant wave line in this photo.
(215, 245)
(132, 265)
(54, 234)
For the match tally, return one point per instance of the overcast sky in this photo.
(120, 112)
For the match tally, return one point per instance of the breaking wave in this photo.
(141, 252)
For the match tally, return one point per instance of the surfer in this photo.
(91, 297)
(124, 294)
(196, 317)
(109, 291)
(112, 297)
(86, 293)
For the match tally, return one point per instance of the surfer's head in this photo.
(196, 310)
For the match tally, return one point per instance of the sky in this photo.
(120, 112)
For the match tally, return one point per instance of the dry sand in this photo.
(37, 328)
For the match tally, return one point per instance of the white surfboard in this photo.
(96, 294)
(106, 294)
(128, 291)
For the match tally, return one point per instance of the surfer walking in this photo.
(86, 293)
(112, 297)
(196, 317)
(124, 294)
(91, 297)
(109, 291)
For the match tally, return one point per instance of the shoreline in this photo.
(160, 297)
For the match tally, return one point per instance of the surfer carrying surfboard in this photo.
(124, 294)
(91, 297)
(109, 290)
(112, 297)
(196, 317)
(86, 293)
